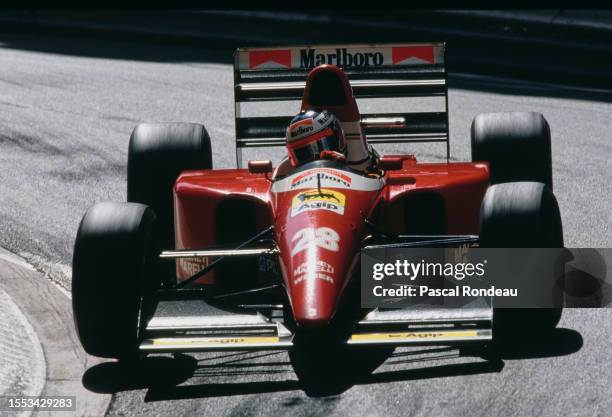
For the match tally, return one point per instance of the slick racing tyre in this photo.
(522, 215)
(322, 368)
(114, 277)
(515, 144)
(157, 154)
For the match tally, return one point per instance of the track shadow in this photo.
(108, 45)
(231, 374)
(519, 87)
(561, 342)
(111, 377)
(346, 376)
(161, 376)
(359, 369)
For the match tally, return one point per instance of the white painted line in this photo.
(22, 363)
(20, 261)
(49, 313)
(15, 259)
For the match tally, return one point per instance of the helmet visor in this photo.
(310, 148)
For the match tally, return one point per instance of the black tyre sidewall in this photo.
(517, 146)
(112, 273)
(521, 215)
(157, 155)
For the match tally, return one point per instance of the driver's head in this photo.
(311, 132)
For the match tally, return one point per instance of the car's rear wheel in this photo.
(114, 276)
(522, 215)
(157, 154)
(515, 144)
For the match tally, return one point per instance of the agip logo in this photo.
(323, 199)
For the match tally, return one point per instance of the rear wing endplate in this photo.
(374, 71)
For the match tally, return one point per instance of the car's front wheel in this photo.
(523, 215)
(114, 278)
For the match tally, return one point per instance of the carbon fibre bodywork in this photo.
(450, 195)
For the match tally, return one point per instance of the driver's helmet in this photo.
(312, 132)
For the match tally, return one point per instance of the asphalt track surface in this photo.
(67, 108)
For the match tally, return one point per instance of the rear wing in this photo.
(374, 71)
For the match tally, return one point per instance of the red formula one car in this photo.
(267, 257)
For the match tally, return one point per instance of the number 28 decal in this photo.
(323, 237)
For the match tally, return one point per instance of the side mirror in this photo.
(390, 163)
(260, 167)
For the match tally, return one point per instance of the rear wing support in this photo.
(374, 71)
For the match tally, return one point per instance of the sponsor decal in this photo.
(322, 270)
(270, 59)
(424, 53)
(323, 199)
(310, 58)
(215, 340)
(316, 275)
(415, 335)
(301, 127)
(321, 266)
(193, 265)
(343, 180)
(309, 126)
(347, 57)
(329, 178)
(268, 265)
(323, 237)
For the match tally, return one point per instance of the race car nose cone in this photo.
(315, 318)
(315, 293)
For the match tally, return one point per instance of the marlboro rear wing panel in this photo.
(374, 71)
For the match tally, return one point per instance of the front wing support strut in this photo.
(214, 263)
